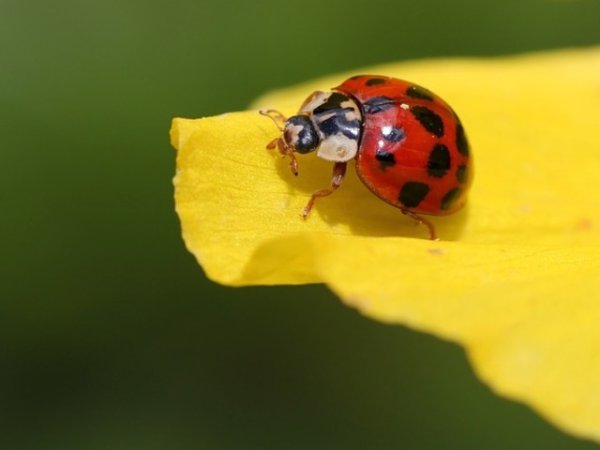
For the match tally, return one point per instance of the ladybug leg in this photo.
(279, 121)
(285, 151)
(271, 145)
(280, 144)
(422, 221)
(339, 170)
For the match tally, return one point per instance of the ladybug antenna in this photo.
(277, 118)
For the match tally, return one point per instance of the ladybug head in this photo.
(300, 135)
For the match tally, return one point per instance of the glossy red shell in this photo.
(413, 152)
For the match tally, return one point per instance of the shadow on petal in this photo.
(358, 208)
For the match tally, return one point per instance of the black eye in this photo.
(304, 140)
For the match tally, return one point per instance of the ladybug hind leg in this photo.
(339, 170)
(422, 221)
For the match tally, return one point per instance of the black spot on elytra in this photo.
(450, 197)
(419, 92)
(430, 120)
(334, 101)
(461, 140)
(413, 193)
(462, 174)
(386, 159)
(378, 104)
(392, 134)
(439, 161)
(375, 81)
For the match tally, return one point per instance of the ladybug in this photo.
(410, 146)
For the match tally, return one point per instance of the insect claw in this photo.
(293, 164)
(272, 144)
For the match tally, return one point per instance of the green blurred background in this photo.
(110, 335)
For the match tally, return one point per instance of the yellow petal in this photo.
(516, 276)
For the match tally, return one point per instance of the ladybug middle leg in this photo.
(422, 221)
(339, 170)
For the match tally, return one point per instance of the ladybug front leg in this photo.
(339, 170)
(285, 151)
(279, 121)
(422, 221)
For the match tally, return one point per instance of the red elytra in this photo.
(410, 146)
